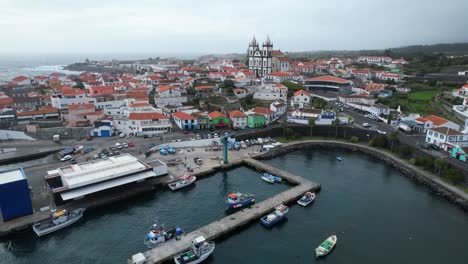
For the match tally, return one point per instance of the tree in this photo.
(335, 123)
(311, 125)
(283, 127)
(404, 151)
(440, 164)
(354, 139)
(393, 137)
(380, 141)
(228, 84)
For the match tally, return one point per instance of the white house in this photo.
(279, 107)
(378, 109)
(446, 138)
(239, 92)
(363, 99)
(169, 95)
(185, 121)
(271, 92)
(278, 77)
(433, 121)
(238, 119)
(301, 98)
(71, 97)
(375, 59)
(21, 80)
(270, 116)
(143, 123)
(385, 76)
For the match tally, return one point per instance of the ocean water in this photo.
(12, 65)
(378, 214)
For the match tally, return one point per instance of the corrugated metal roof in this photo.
(106, 185)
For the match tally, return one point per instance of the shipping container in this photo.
(15, 200)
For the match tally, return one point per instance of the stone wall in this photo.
(64, 132)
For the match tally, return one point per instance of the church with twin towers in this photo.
(263, 60)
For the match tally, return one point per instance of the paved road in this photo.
(413, 140)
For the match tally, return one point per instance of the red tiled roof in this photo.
(81, 106)
(93, 113)
(436, 120)
(247, 73)
(50, 110)
(146, 116)
(329, 78)
(216, 114)
(183, 116)
(447, 131)
(282, 74)
(263, 110)
(163, 88)
(139, 105)
(20, 79)
(374, 87)
(301, 92)
(275, 53)
(70, 92)
(101, 90)
(237, 113)
(154, 77)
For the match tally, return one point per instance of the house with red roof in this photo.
(301, 98)
(238, 119)
(386, 76)
(380, 60)
(144, 123)
(374, 88)
(40, 80)
(219, 75)
(44, 112)
(185, 121)
(240, 92)
(219, 120)
(100, 90)
(81, 115)
(21, 80)
(328, 83)
(433, 121)
(271, 92)
(246, 74)
(446, 138)
(269, 114)
(168, 94)
(204, 90)
(71, 97)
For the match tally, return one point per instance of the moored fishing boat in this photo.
(277, 216)
(199, 251)
(338, 158)
(306, 199)
(236, 200)
(183, 181)
(158, 235)
(326, 246)
(267, 178)
(57, 221)
(275, 178)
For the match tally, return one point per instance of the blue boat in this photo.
(237, 200)
(88, 149)
(339, 158)
(273, 177)
(171, 150)
(277, 216)
(163, 151)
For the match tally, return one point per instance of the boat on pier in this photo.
(237, 200)
(306, 199)
(158, 235)
(326, 246)
(183, 181)
(57, 221)
(277, 216)
(199, 251)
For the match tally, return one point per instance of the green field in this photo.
(425, 95)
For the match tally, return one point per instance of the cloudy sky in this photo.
(216, 26)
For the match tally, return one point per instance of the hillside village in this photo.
(159, 96)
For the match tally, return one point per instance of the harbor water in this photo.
(378, 214)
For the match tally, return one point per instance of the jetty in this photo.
(229, 223)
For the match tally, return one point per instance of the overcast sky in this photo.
(217, 26)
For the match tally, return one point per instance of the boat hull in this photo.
(196, 261)
(52, 228)
(173, 186)
(305, 202)
(269, 180)
(320, 251)
(241, 204)
(266, 223)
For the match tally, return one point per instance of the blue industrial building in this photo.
(15, 200)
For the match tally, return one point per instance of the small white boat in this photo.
(182, 182)
(306, 199)
(326, 246)
(268, 178)
(199, 251)
(275, 178)
(57, 221)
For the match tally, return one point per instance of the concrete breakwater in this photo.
(232, 222)
(438, 186)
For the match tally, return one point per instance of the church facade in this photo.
(260, 57)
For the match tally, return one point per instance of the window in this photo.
(460, 138)
(441, 136)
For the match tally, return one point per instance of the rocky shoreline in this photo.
(414, 173)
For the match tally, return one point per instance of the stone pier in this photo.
(229, 223)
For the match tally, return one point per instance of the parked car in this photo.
(179, 140)
(122, 135)
(67, 157)
(131, 145)
(125, 145)
(434, 147)
(118, 145)
(215, 135)
(366, 125)
(185, 132)
(381, 132)
(73, 161)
